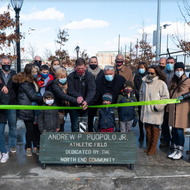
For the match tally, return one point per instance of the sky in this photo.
(95, 25)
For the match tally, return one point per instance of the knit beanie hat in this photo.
(178, 65)
(107, 96)
(129, 83)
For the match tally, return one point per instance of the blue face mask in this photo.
(109, 77)
(63, 81)
(44, 75)
(34, 76)
(169, 67)
(141, 71)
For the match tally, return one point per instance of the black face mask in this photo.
(93, 66)
(37, 63)
(119, 63)
(162, 67)
(6, 67)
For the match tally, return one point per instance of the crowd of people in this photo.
(83, 86)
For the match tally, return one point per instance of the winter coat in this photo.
(60, 96)
(4, 100)
(84, 86)
(153, 90)
(106, 118)
(48, 120)
(12, 87)
(125, 72)
(114, 88)
(137, 83)
(127, 113)
(26, 95)
(169, 75)
(179, 114)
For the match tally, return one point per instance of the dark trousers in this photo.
(30, 134)
(74, 114)
(178, 136)
(165, 128)
(140, 123)
(91, 115)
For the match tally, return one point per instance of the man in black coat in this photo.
(109, 83)
(97, 73)
(8, 86)
(81, 85)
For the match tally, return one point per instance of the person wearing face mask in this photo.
(162, 63)
(44, 79)
(10, 88)
(81, 85)
(179, 113)
(153, 88)
(142, 71)
(122, 69)
(97, 73)
(37, 61)
(55, 64)
(111, 83)
(48, 120)
(166, 136)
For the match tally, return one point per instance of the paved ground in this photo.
(150, 172)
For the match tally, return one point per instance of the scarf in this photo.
(94, 72)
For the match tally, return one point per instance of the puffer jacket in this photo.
(48, 120)
(155, 89)
(26, 95)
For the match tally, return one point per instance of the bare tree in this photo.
(31, 50)
(47, 54)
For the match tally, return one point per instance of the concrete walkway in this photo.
(150, 172)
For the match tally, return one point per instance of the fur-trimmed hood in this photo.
(21, 78)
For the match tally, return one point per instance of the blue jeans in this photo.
(178, 136)
(12, 120)
(74, 114)
(2, 138)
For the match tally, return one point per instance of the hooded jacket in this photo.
(48, 120)
(26, 95)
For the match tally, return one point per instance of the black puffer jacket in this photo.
(48, 120)
(60, 96)
(138, 83)
(84, 86)
(12, 87)
(4, 100)
(26, 95)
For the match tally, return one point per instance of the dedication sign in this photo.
(88, 148)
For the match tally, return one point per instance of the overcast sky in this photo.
(95, 25)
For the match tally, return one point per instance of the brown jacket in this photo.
(125, 72)
(179, 114)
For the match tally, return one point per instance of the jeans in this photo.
(12, 122)
(125, 126)
(2, 138)
(178, 136)
(74, 114)
(165, 128)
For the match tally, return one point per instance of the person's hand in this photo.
(84, 105)
(79, 100)
(135, 122)
(5, 90)
(180, 98)
(57, 129)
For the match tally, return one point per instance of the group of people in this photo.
(83, 86)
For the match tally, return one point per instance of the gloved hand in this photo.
(135, 122)
(79, 100)
(180, 98)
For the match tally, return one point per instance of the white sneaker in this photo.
(173, 154)
(4, 158)
(179, 153)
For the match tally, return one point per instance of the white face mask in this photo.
(179, 73)
(50, 101)
(56, 67)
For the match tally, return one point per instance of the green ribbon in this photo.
(29, 107)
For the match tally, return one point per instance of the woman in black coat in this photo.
(142, 71)
(27, 89)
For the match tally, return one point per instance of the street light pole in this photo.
(17, 4)
(158, 33)
(77, 50)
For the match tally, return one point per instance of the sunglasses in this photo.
(150, 73)
(36, 61)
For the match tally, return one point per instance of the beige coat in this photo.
(179, 114)
(156, 90)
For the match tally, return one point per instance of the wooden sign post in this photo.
(88, 148)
